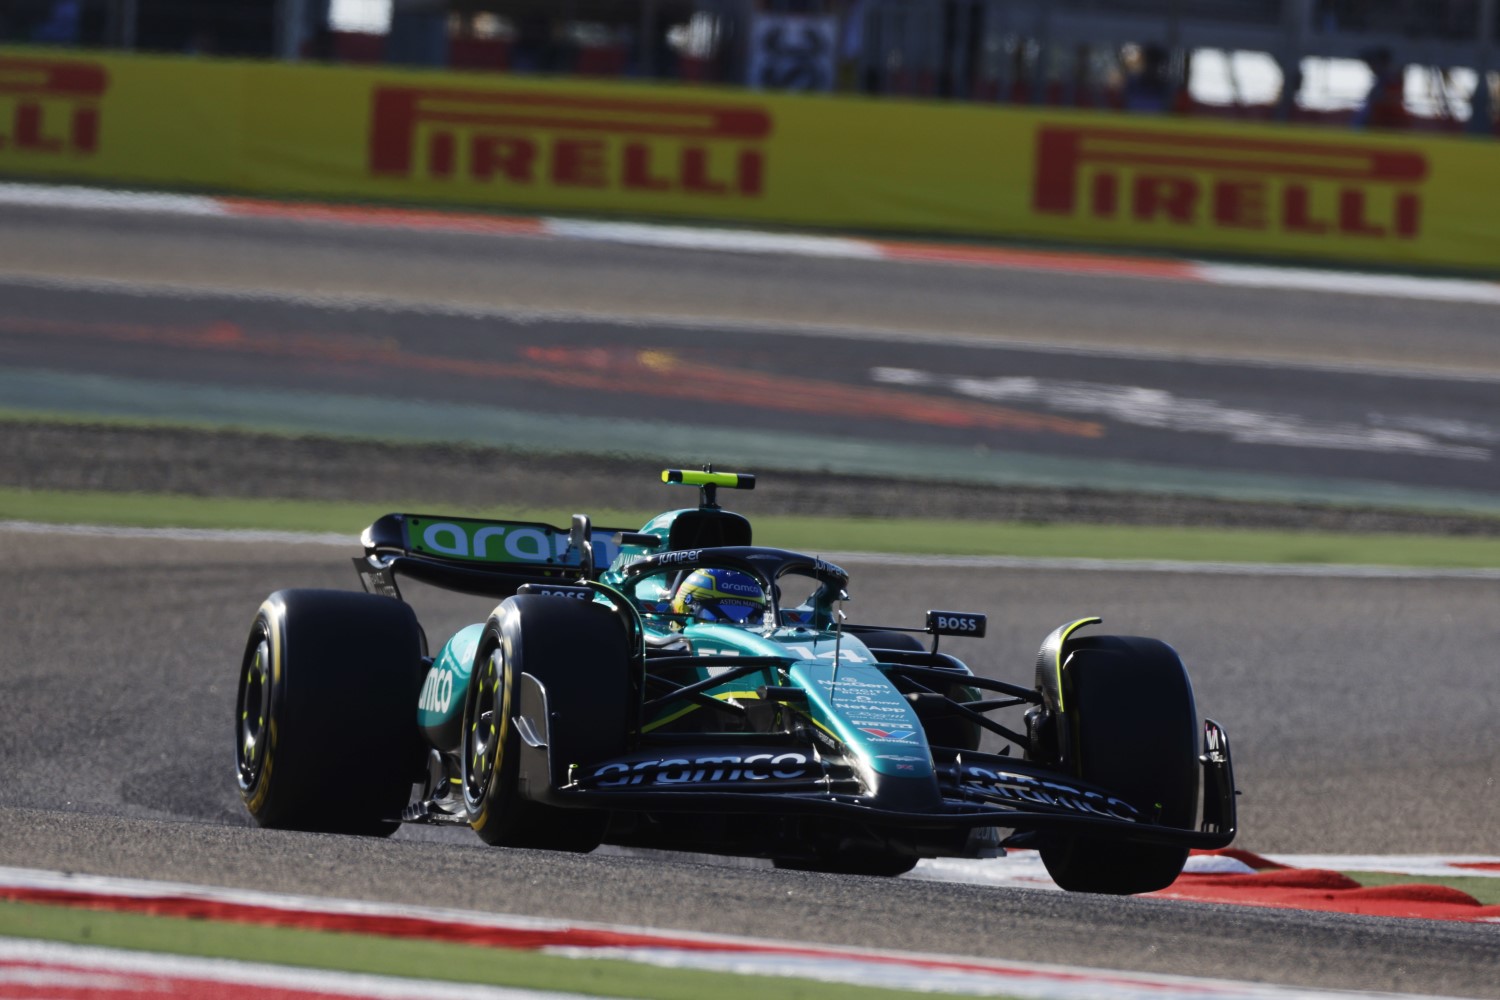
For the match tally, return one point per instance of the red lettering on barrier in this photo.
(1296, 211)
(1170, 197)
(695, 172)
(579, 162)
(441, 156)
(1408, 215)
(1320, 187)
(1352, 215)
(510, 156)
(1106, 194)
(1240, 204)
(50, 106)
(752, 173)
(526, 139)
(638, 173)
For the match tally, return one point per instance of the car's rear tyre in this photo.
(325, 717)
(1133, 727)
(578, 652)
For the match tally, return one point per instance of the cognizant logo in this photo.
(1305, 189)
(521, 139)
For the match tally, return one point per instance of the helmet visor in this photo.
(733, 612)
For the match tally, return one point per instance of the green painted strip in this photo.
(409, 958)
(1485, 889)
(806, 534)
(51, 395)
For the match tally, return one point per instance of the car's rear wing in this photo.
(472, 555)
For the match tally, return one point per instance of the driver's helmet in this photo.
(721, 595)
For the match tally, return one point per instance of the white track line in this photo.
(741, 955)
(1335, 571)
(66, 970)
(1352, 283)
(183, 534)
(100, 200)
(1421, 865)
(1024, 869)
(646, 321)
(751, 241)
(723, 240)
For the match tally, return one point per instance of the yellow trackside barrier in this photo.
(663, 150)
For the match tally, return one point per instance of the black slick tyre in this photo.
(1133, 725)
(325, 718)
(890, 639)
(578, 653)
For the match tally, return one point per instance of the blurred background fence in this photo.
(1418, 64)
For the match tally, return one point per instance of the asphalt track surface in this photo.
(484, 271)
(1170, 418)
(1361, 710)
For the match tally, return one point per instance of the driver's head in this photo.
(720, 595)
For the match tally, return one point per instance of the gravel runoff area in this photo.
(72, 456)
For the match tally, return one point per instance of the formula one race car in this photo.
(678, 687)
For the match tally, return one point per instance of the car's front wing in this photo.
(973, 790)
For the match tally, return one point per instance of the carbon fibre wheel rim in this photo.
(252, 710)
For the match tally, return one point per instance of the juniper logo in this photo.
(526, 139)
(50, 106)
(1312, 189)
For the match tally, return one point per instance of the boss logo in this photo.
(555, 590)
(956, 623)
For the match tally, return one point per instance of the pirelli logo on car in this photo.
(1304, 189)
(523, 140)
(50, 106)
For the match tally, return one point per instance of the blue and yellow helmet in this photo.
(721, 595)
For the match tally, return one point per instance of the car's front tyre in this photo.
(578, 653)
(1133, 728)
